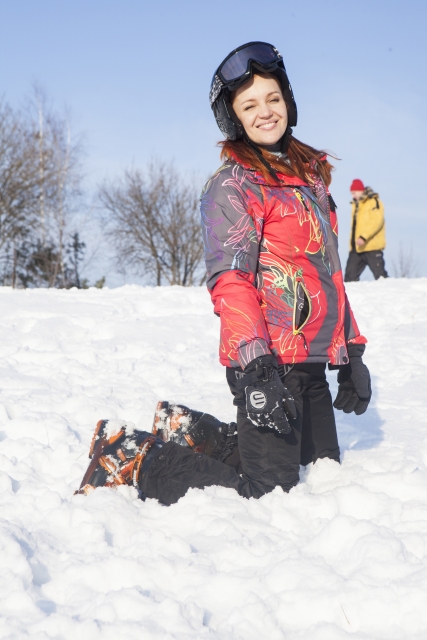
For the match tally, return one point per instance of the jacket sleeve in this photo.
(351, 330)
(231, 243)
(372, 220)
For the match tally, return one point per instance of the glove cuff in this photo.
(260, 369)
(261, 361)
(355, 350)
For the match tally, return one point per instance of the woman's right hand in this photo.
(267, 401)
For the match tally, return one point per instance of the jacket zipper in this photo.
(298, 331)
(301, 198)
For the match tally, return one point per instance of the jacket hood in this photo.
(369, 193)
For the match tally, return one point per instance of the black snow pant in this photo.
(264, 459)
(357, 262)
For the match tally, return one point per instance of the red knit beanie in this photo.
(357, 185)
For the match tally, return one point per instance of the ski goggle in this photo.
(238, 63)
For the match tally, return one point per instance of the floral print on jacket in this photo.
(273, 269)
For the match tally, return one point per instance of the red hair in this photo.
(303, 160)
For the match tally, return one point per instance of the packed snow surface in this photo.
(343, 554)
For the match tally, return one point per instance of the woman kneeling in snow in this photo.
(270, 234)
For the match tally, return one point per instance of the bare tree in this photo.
(153, 223)
(40, 98)
(19, 187)
(60, 176)
(405, 264)
(40, 178)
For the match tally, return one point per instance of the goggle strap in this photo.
(216, 88)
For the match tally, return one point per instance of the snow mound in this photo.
(343, 554)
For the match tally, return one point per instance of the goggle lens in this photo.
(237, 65)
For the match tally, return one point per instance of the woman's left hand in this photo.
(354, 380)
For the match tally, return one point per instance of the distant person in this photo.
(367, 239)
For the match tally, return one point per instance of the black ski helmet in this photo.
(234, 71)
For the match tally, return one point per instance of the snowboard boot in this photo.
(118, 457)
(200, 431)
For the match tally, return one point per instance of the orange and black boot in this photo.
(200, 431)
(118, 457)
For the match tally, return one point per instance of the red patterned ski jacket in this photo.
(273, 269)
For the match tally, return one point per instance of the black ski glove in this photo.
(268, 403)
(354, 390)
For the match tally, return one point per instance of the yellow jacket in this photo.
(367, 220)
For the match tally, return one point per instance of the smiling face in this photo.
(261, 109)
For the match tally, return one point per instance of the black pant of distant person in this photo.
(357, 262)
(263, 459)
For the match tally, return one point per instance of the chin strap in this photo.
(286, 139)
(284, 146)
(259, 155)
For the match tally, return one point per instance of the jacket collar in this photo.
(254, 176)
(286, 181)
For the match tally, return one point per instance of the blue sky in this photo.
(136, 76)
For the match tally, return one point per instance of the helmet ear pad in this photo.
(227, 121)
(288, 95)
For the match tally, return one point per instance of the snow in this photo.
(343, 554)
(114, 426)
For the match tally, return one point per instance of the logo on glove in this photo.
(258, 399)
